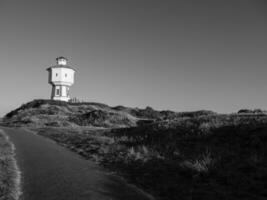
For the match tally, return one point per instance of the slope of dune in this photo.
(43, 113)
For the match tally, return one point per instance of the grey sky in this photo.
(179, 55)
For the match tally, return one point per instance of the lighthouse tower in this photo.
(61, 77)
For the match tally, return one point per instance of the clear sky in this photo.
(181, 55)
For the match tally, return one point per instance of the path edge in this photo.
(15, 191)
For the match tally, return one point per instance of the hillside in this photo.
(48, 113)
(203, 157)
(186, 155)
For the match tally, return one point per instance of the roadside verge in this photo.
(10, 176)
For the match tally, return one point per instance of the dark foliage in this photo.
(207, 157)
(39, 102)
(34, 104)
(101, 118)
(256, 111)
(40, 113)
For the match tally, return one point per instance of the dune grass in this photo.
(9, 173)
(222, 157)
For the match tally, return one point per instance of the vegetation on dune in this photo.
(204, 157)
(9, 174)
(49, 113)
(172, 155)
(102, 118)
(255, 111)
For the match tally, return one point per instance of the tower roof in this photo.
(61, 57)
(61, 64)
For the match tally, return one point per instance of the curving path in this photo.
(51, 172)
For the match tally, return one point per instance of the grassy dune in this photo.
(211, 157)
(184, 156)
(9, 173)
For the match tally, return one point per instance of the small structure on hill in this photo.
(61, 77)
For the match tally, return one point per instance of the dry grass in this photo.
(181, 161)
(9, 173)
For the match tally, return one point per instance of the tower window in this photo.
(66, 75)
(56, 74)
(57, 91)
(68, 92)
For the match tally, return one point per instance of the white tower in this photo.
(61, 77)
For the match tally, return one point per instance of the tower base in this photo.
(60, 93)
(61, 99)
